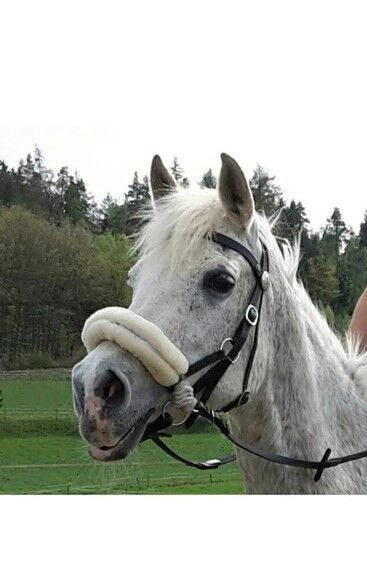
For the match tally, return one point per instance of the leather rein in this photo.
(219, 362)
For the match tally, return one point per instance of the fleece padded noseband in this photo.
(141, 338)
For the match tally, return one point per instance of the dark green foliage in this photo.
(51, 278)
(363, 231)
(136, 198)
(322, 279)
(267, 195)
(335, 236)
(178, 173)
(208, 180)
(292, 221)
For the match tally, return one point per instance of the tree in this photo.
(114, 216)
(292, 221)
(104, 210)
(138, 194)
(178, 172)
(136, 198)
(36, 184)
(267, 195)
(322, 279)
(352, 274)
(208, 180)
(335, 234)
(76, 200)
(363, 231)
(8, 185)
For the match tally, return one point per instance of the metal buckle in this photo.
(243, 398)
(212, 463)
(226, 355)
(252, 308)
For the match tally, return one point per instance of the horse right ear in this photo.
(161, 181)
(235, 193)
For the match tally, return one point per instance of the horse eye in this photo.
(219, 282)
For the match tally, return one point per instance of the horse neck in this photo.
(303, 399)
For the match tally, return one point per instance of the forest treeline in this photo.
(62, 256)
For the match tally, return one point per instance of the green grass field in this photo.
(41, 452)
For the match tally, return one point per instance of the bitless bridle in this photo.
(219, 362)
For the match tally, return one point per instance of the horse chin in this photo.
(127, 443)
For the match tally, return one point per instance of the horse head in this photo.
(187, 290)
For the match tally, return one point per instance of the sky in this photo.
(102, 87)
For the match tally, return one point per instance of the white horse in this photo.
(307, 392)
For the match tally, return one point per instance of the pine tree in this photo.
(77, 205)
(208, 180)
(267, 195)
(178, 172)
(138, 193)
(136, 198)
(363, 231)
(8, 185)
(336, 233)
(322, 279)
(104, 210)
(293, 219)
(352, 274)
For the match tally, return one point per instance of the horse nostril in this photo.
(111, 391)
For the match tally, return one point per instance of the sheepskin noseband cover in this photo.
(141, 338)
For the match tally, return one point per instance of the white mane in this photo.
(177, 225)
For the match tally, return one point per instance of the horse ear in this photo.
(161, 181)
(235, 192)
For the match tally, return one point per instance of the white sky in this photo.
(103, 86)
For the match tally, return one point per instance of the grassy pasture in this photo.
(41, 452)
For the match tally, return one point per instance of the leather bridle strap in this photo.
(206, 384)
(229, 242)
(202, 465)
(216, 419)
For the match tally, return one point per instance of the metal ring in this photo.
(174, 424)
(254, 309)
(226, 355)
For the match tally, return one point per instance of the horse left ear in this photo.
(235, 192)
(161, 181)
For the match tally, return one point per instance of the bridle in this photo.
(219, 362)
(222, 359)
